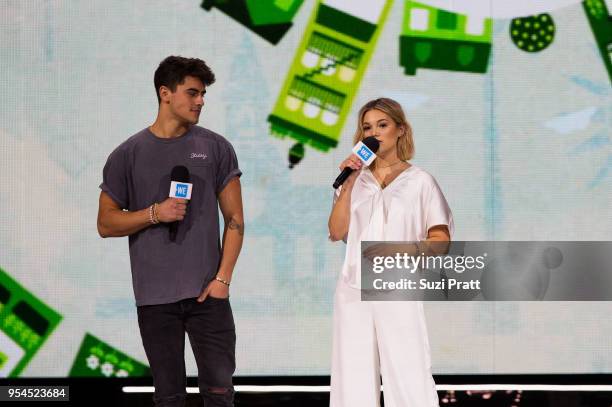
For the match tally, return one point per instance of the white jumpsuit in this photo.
(384, 338)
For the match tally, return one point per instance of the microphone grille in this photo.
(179, 173)
(371, 143)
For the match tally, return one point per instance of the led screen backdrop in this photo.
(510, 105)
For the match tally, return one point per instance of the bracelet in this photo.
(155, 213)
(153, 219)
(222, 281)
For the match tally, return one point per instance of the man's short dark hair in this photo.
(173, 70)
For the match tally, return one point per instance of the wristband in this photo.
(153, 219)
(155, 213)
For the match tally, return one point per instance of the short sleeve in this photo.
(114, 178)
(438, 211)
(228, 166)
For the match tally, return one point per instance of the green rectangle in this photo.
(461, 56)
(324, 77)
(25, 321)
(444, 26)
(96, 358)
(600, 21)
(345, 23)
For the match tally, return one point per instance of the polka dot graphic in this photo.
(533, 33)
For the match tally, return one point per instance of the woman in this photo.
(396, 201)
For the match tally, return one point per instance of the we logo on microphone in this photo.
(180, 190)
(364, 153)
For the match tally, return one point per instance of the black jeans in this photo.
(212, 334)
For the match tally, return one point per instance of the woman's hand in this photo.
(355, 163)
(390, 250)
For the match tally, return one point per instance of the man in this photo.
(181, 283)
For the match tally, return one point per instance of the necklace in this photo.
(391, 165)
(384, 184)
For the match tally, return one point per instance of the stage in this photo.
(313, 391)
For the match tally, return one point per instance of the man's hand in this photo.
(172, 209)
(215, 289)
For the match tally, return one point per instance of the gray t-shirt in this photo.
(137, 174)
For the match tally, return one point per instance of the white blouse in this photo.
(404, 211)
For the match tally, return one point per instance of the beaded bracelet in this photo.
(222, 281)
(155, 213)
(153, 219)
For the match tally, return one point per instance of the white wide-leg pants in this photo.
(371, 339)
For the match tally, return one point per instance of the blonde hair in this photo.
(405, 143)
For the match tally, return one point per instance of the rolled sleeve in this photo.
(114, 178)
(438, 211)
(228, 166)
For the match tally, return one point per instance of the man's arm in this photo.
(230, 202)
(115, 222)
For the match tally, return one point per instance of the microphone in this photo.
(179, 188)
(366, 151)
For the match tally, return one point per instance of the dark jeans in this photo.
(211, 331)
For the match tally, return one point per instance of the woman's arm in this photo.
(438, 233)
(438, 237)
(437, 243)
(340, 216)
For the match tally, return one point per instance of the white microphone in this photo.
(366, 151)
(181, 188)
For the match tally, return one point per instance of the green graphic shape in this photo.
(25, 324)
(96, 358)
(270, 19)
(600, 21)
(273, 11)
(325, 74)
(533, 33)
(3, 359)
(296, 153)
(437, 39)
